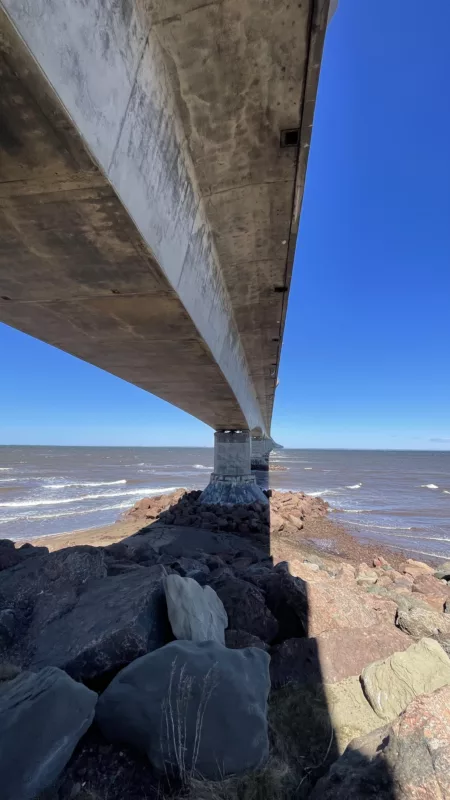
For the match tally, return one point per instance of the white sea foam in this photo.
(71, 513)
(429, 486)
(380, 527)
(355, 510)
(82, 483)
(445, 492)
(324, 491)
(5, 469)
(7, 480)
(200, 466)
(53, 502)
(307, 467)
(355, 486)
(426, 538)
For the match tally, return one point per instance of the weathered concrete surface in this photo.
(232, 481)
(148, 214)
(261, 447)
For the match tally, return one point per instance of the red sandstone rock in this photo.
(432, 590)
(408, 760)
(346, 574)
(386, 610)
(414, 568)
(332, 606)
(334, 655)
(379, 561)
(277, 522)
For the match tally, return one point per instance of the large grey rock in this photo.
(420, 622)
(195, 708)
(284, 596)
(195, 613)
(237, 640)
(42, 718)
(56, 573)
(114, 621)
(443, 571)
(391, 684)
(246, 607)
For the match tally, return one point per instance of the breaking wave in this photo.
(82, 483)
(429, 486)
(53, 502)
(381, 527)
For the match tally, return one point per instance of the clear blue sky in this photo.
(366, 357)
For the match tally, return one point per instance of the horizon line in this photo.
(211, 447)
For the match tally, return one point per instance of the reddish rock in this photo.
(379, 561)
(332, 606)
(365, 575)
(277, 522)
(307, 571)
(432, 590)
(408, 760)
(386, 610)
(346, 574)
(414, 568)
(385, 580)
(334, 655)
(295, 521)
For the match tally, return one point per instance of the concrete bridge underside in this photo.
(148, 210)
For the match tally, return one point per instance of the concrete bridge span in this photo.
(152, 164)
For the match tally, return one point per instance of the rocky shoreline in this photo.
(325, 664)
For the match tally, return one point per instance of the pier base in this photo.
(261, 448)
(232, 482)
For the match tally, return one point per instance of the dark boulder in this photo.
(195, 709)
(42, 718)
(284, 597)
(57, 575)
(113, 621)
(246, 607)
(237, 640)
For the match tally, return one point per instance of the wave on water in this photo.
(382, 527)
(324, 491)
(429, 486)
(5, 469)
(200, 466)
(419, 552)
(355, 510)
(445, 492)
(53, 502)
(7, 480)
(307, 467)
(71, 513)
(355, 486)
(81, 483)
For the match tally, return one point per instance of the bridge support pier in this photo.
(232, 481)
(261, 449)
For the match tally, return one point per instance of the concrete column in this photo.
(261, 449)
(232, 481)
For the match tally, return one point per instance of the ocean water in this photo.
(400, 499)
